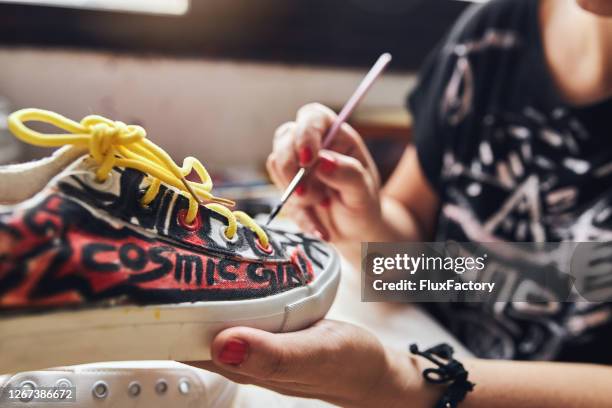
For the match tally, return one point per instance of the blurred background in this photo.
(214, 78)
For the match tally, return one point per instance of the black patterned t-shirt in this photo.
(512, 162)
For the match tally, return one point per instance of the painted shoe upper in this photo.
(119, 222)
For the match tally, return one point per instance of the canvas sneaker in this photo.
(107, 252)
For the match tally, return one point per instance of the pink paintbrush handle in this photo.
(360, 92)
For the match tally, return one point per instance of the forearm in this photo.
(501, 384)
(538, 384)
(398, 223)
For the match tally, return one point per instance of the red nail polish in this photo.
(300, 189)
(305, 156)
(322, 236)
(326, 202)
(234, 352)
(327, 165)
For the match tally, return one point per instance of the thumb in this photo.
(347, 176)
(285, 357)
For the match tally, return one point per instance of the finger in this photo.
(286, 357)
(284, 128)
(282, 176)
(279, 178)
(347, 141)
(284, 151)
(307, 220)
(274, 173)
(312, 122)
(287, 388)
(324, 214)
(296, 213)
(356, 147)
(350, 143)
(310, 191)
(347, 176)
(320, 229)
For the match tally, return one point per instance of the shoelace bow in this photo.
(115, 144)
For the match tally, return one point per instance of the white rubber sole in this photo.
(186, 387)
(181, 332)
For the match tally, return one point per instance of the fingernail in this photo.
(234, 352)
(320, 235)
(300, 189)
(305, 156)
(326, 202)
(327, 165)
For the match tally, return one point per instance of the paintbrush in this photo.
(363, 88)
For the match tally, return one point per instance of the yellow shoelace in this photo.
(113, 144)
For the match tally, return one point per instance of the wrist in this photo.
(391, 222)
(378, 229)
(395, 384)
(402, 383)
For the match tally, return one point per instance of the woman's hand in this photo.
(340, 199)
(346, 365)
(332, 361)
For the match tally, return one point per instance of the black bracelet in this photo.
(449, 371)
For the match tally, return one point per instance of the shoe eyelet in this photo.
(100, 185)
(184, 386)
(222, 233)
(92, 178)
(28, 386)
(134, 389)
(194, 226)
(269, 250)
(161, 387)
(100, 390)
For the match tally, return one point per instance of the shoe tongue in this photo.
(71, 161)
(68, 158)
(24, 180)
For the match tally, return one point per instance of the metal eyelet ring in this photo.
(27, 386)
(134, 389)
(184, 386)
(194, 226)
(269, 250)
(223, 234)
(100, 185)
(161, 387)
(106, 184)
(63, 383)
(92, 177)
(100, 390)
